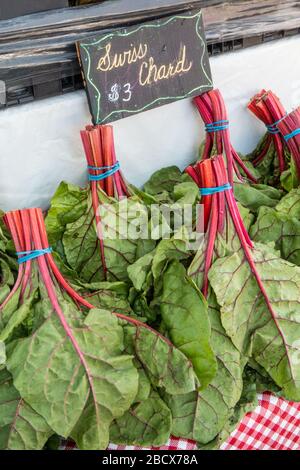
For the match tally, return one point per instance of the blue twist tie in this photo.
(217, 189)
(272, 128)
(32, 254)
(217, 126)
(111, 170)
(292, 134)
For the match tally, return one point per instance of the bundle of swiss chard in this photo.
(103, 167)
(81, 223)
(272, 157)
(253, 300)
(212, 109)
(133, 335)
(289, 128)
(79, 371)
(250, 192)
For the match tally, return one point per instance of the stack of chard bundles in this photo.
(129, 315)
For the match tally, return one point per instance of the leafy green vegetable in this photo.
(290, 204)
(138, 272)
(165, 179)
(108, 295)
(82, 351)
(246, 403)
(21, 428)
(148, 423)
(202, 415)
(67, 205)
(174, 248)
(82, 368)
(80, 380)
(165, 366)
(184, 314)
(256, 195)
(82, 246)
(280, 228)
(272, 339)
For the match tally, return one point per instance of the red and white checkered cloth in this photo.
(273, 425)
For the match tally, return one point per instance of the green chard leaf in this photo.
(2, 353)
(67, 205)
(247, 403)
(162, 368)
(253, 196)
(184, 314)
(138, 272)
(21, 428)
(6, 280)
(111, 296)
(147, 423)
(75, 374)
(164, 180)
(175, 248)
(289, 178)
(121, 241)
(272, 340)
(290, 204)
(186, 193)
(202, 415)
(165, 366)
(280, 228)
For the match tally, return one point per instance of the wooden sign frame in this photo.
(134, 69)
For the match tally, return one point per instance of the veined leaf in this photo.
(147, 423)
(21, 428)
(111, 296)
(256, 195)
(164, 180)
(175, 248)
(166, 366)
(184, 314)
(186, 193)
(280, 228)
(290, 204)
(120, 226)
(272, 339)
(67, 205)
(76, 374)
(202, 415)
(247, 402)
(289, 178)
(2, 353)
(138, 271)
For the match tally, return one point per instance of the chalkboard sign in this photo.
(134, 69)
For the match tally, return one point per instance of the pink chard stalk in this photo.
(282, 136)
(104, 173)
(212, 109)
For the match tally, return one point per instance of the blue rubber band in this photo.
(217, 126)
(111, 170)
(292, 134)
(272, 128)
(32, 254)
(217, 189)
